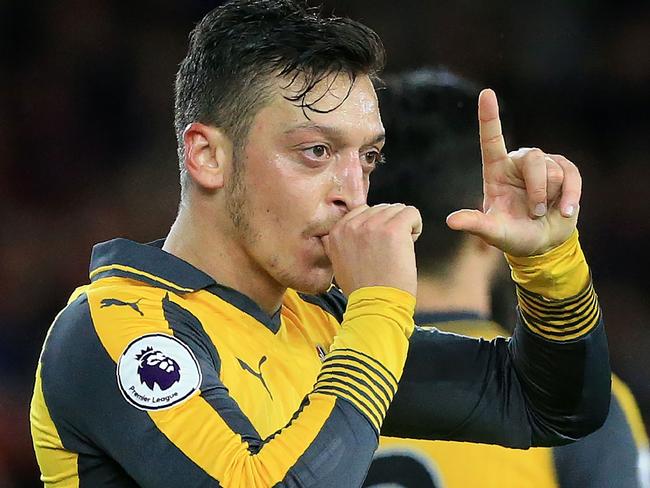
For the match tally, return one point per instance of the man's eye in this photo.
(373, 157)
(319, 151)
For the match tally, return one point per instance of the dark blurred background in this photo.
(87, 149)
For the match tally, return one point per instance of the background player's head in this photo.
(433, 156)
(278, 129)
(434, 163)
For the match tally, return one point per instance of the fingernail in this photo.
(540, 210)
(568, 210)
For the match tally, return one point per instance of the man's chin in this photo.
(316, 290)
(316, 285)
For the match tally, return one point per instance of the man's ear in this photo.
(208, 154)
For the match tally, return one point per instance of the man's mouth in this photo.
(320, 229)
(317, 233)
(319, 239)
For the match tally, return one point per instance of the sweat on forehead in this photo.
(324, 95)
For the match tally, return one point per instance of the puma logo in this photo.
(107, 302)
(257, 374)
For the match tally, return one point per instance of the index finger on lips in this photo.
(381, 213)
(353, 213)
(368, 215)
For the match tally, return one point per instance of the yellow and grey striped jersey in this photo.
(154, 375)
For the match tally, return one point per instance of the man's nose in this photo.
(349, 183)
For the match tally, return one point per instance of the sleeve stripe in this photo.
(569, 327)
(563, 336)
(559, 320)
(540, 310)
(564, 322)
(357, 374)
(540, 306)
(567, 320)
(380, 383)
(543, 326)
(367, 360)
(348, 374)
(555, 304)
(370, 403)
(345, 394)
(358, 384)
(559, 330)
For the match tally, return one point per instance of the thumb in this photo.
(472, 221)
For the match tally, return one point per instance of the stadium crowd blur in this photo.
(87, 149)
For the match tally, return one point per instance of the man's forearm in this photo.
(548, 385)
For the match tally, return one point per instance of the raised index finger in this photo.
(493, 146)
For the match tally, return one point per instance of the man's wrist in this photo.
(557, 274)
(394, 303)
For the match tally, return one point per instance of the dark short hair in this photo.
(237, 49)
(433, 155)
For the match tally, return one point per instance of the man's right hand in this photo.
(373, 246)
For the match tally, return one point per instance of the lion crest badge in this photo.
(157, 371)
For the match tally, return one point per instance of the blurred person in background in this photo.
(430, 117)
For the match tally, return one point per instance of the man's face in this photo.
(301, 171)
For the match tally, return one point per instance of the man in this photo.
(429, 116)
(222, 356)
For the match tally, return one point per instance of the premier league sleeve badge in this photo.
(157, 371)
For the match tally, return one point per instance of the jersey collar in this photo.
(146, 262)
(150, 264)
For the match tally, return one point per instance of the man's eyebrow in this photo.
(332, 132)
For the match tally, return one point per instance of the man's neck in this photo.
(444, 296)
(197, 241)
(466, 289)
